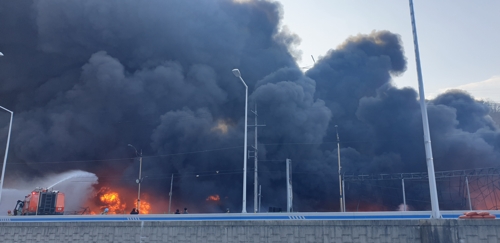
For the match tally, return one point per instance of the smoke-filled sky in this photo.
(458, 38)
(87, 77)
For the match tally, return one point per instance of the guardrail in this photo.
(409, 215)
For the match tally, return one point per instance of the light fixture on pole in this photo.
(1, 54)
(6, 149)
(425, 121)
(237, 73)
(139, 180)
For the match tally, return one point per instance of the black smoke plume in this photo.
(86, 78)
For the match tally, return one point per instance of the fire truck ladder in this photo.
(47, 204)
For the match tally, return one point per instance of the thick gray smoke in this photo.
(86, 78)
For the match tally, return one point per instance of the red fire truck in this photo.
(41, 201)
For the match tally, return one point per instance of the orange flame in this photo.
(145, 207)
(213, 198)
(113, 202)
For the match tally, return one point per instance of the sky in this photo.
(458, 39)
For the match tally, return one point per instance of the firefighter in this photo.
(105, 212)
(9, 213)
(20, 209)
(134, 211)
(185, 211)
(177, 211)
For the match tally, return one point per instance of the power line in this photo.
(343, 142)
(196, 174)
(194, 152)
(121, 159)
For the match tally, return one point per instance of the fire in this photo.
(145, 207)
(367, 207)
(112, 201)
(116, 202)
(213, 198)
(486, 201)
(222, 126)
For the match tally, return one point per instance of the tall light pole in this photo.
(6, 148)
(425, 121)
(340, 172)
(256, 169)
(140, 178)
(237, 73)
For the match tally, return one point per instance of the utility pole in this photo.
(404, 193)
(289, 190)
(256, 170)
(340, 172)
(260, 195)
(140, 177)
(468, 193)
(343, 196)
(170, 193)
(139, 182)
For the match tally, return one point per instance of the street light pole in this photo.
(6, 148)
(256, 169)
(425, 121)
(237, 73)
(140, 178)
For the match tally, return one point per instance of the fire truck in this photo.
(41, 201)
